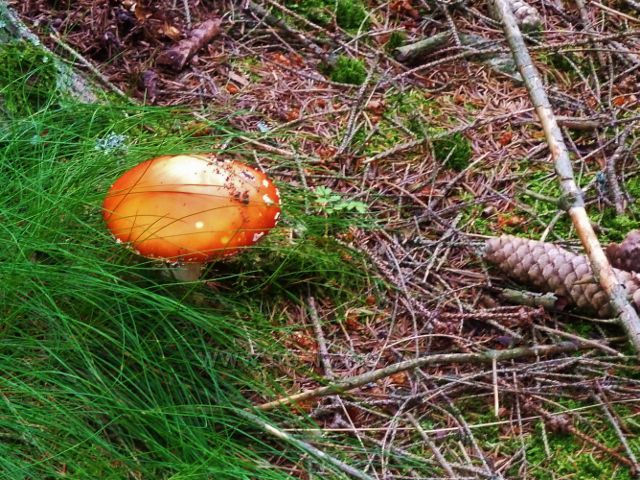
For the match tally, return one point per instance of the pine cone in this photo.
(553, 269)
(626, 255)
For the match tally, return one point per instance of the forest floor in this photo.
(392, 177)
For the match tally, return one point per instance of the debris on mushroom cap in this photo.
(191, 208)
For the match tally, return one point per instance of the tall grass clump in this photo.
(109, 369)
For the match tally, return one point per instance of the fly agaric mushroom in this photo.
(191, 209)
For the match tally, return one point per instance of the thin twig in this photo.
(187, 13)
(571, 336)
(616, 427)
(316, 453)
(611, 171)
(322, 344)
(446, 466)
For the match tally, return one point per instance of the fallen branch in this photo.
(574, 199)
(488, 356)
(178, 56)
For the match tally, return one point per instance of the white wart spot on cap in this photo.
(257, 236)
(199, 225)
(265, 183)
(267, 199)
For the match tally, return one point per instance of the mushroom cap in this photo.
(191, 208)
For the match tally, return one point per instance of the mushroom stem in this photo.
(186, 272)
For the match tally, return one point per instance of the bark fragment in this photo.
(177, 56)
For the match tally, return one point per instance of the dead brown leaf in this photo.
(170, 32)
(141, 12)
(505, 138)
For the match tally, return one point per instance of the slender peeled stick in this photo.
(191, 209)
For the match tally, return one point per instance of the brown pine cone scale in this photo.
(626, 254)
(553, 269)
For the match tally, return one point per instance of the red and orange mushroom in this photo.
(191, 209)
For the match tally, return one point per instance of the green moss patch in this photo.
(454, 151)
(351, 14)
(27, 78)
(348, 70)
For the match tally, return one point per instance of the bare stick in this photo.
(304, 446)
(187, 13)
(599, 263)
(530, 299)
(446, 466)
(586, 24)
(322, 344)
(571, 336)
(349, 383)
(610, 169)
(496, 391)
(618, 429)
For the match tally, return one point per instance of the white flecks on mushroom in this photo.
(277, 193)
(199, 225)
(257, 236)
(276, 216)
(267, 199)
(265, 183)
(118, 240)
